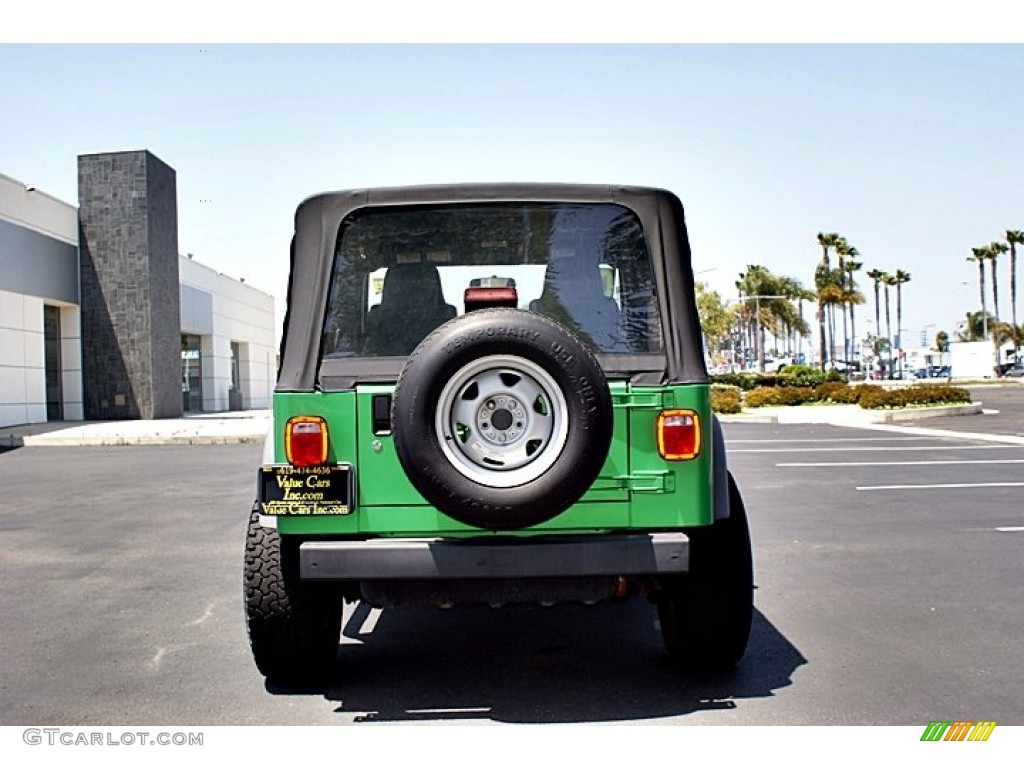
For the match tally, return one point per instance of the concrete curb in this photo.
(16, 441)
(844, 414)
(747, 418)
(252, 427)
(917, 414)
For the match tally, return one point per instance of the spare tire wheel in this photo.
(502, 419)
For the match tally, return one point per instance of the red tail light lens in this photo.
(305, 441)
(678, 435)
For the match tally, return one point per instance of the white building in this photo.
(228, 356)
(228, 350)
(40, 345)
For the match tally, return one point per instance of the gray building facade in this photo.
(130, 315)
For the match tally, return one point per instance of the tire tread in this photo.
(293, 627)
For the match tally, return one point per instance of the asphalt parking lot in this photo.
(1004, 406)
(889, 587)
(891, 561)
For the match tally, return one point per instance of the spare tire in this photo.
(502, 418)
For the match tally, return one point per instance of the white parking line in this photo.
(370, 623)
(937, 433)
(938, 485)
(831, 440)
(894, 463)
(881, 448)
(1012, 529)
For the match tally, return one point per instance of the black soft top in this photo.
(317, 223)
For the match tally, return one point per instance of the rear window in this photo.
(400, 272)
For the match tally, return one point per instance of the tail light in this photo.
(305, 441)
(678, 435)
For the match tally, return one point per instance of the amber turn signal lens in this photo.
(678, 435)
(305, 441)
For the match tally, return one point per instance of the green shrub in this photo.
(804, 376)
(760, 397)
(745, 381)
(843, 394)
(833, 391)
(726, 398)
(874, 398)
(749, 380)
(763, 396)
(791, 376)
(861, 390)
(920, 394)
(867, 395)
(769, 380)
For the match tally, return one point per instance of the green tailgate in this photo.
(636, 488)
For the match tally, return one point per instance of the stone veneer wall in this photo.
(131, 328)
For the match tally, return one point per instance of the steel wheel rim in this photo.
(502, 421)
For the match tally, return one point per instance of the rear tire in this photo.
(294, 627)
(705, 614)
(502, 419)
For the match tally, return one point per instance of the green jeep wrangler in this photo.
(493, 393)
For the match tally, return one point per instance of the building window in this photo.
(235, 393)
(54, 384)
(191, 374)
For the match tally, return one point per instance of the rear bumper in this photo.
(625, 555)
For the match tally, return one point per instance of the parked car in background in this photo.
(932, 372)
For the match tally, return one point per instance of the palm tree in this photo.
(829, 288)
(899, 279)
(975, 327)
(853, 298)
(980, 255)
(995, 249)
(1003, 333)
(793, 290)
(768, 304)
(752, 285)
(878, 276)
(942, 346)
(843, 251)
(826, 240)
(1014, 237)
(1014, 333)
(842, 248)
(888, 280)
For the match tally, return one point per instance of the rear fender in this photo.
(268, 521)
(720, 470)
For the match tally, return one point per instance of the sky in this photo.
(911, 152)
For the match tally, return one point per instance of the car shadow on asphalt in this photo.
(528, 664)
